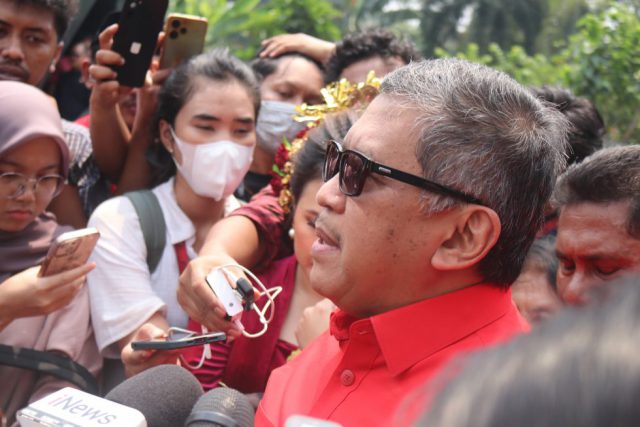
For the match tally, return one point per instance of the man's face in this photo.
(28, 42)
(373, 251)
(593, 247)
(534, 296)
(295, 80)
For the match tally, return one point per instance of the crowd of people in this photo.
(429, 237)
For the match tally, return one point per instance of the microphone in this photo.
(71, 407)
(164, 394)
(222, 407)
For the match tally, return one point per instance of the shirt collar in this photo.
(409, 334)
(179, 226)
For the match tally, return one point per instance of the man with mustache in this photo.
(428, 209)
(30, 46)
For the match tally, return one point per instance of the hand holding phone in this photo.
(140, 23)
(69, 250)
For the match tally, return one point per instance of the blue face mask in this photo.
(275, 123)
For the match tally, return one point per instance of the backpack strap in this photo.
(152, 223)
(49, 363)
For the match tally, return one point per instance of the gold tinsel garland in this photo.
(337, 96)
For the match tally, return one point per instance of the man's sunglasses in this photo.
(354, 167)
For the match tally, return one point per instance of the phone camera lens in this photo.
(183, 30)
(173, 34)
(175, 23)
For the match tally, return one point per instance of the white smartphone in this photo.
(69, 250)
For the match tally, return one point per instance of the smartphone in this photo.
(173, 344)
(184, 38)
(138, 28)
(69, 250)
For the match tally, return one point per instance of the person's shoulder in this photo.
(76, 133)
(78, 140)
(119, 207)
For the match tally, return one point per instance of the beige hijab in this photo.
(27, 113)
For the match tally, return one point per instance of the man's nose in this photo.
(11, 47)
(330, 196)
(577, 290)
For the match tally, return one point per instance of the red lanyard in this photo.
(181, 254)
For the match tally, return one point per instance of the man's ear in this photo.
(56, 57)
(476, 230)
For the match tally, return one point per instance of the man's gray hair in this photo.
(483, 133)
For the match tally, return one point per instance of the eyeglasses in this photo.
(354, 168)
(14, 184)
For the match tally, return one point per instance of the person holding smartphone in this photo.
(205, 127)
(41, 313)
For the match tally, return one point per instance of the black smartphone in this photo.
(140, 23)
(173, 344)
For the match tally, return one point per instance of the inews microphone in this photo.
(164, 394)
(222, 407)
(69, 407)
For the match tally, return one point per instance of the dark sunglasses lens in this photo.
(330, 161)
(352, 174)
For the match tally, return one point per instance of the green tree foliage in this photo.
(242, 24)
(605, 59)
(601, 62)
(537, 41)
(535, 70)
(455, 23)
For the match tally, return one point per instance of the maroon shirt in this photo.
(245, 363)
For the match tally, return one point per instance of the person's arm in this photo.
(251, 234)
(26, 294)
(318, 49)
(136, 173)
(67, 207)
(120, 288)
(109, 132)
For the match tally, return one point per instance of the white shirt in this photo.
(123, 294)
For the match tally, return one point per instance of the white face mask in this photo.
(275, 122)
(214, 169)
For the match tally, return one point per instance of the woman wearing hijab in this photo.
(41, 313)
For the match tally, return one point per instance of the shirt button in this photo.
(347, 377)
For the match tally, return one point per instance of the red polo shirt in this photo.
(362, 371)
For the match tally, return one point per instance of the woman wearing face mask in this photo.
(206, 119)
(286, 81)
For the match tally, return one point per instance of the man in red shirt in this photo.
(428, 209)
